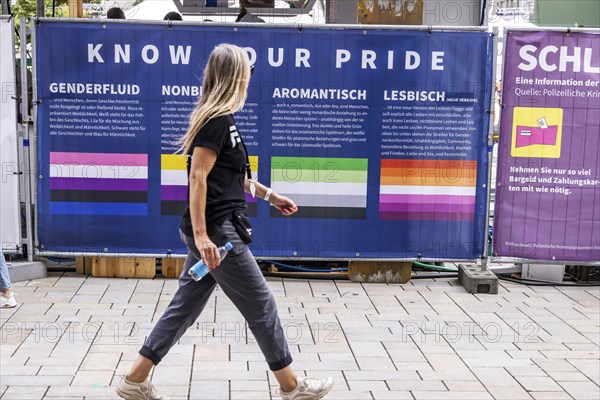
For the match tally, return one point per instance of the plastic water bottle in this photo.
(198, 270)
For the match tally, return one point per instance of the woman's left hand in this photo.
(284, 204)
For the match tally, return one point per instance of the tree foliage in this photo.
(28, 8)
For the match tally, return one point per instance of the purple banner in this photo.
(548, 184)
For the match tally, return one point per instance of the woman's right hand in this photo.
(208, 251)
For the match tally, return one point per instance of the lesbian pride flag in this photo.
(427, 190)
(98, 183)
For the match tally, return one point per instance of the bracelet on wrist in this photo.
(268, 194)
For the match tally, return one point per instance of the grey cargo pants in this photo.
(241, 280)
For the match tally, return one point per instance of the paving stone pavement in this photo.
(74, 336)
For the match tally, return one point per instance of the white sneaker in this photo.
(138, 391)
(8, 300)
(309, 389)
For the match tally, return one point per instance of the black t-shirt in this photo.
(225, 182)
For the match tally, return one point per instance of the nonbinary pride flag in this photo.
(174, 184)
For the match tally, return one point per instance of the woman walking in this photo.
(218, 176)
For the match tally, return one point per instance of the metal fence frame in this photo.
(517, 260)
(485, 257)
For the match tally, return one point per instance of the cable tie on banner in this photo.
(18, 173)
(568, 32)
(170, 24)
(38, 102)
(503, 106)
(37, 21)
(299, 27)
(429, 30)
(169, 253)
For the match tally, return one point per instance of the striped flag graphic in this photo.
(98, 183)
(174, 184)
(322, 187)
(427, 190)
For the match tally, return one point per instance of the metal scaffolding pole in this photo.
(341, 12)
(4, 6)
(41, 8)
(28, 142)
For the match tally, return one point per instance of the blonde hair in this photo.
(224, 89)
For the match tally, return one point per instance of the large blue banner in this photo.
(378, 135)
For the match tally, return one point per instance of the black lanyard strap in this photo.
(247, 166)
